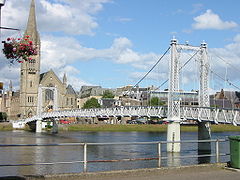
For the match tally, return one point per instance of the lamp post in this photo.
(2, 2)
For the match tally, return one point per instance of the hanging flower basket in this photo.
(19, 49)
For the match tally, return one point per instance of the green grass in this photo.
(120, 128)
(142, 128)
(223, 128)
(6, 127)
(129, 128)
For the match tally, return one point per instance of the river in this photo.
(24, 155)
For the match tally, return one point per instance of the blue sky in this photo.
(113, 43)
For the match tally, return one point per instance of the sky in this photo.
(113, 43)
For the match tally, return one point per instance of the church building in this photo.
(39, 92)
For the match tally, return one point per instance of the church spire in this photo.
(10, 85)
(65, 79)
(32, 25)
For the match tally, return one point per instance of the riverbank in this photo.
(6, 126)
(129, 127)
(142, 128)
(197, 172)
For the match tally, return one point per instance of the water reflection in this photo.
(205, 158)
(17, 155)
(173, 159)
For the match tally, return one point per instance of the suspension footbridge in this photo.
(174, 113)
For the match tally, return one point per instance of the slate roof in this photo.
(70, 90)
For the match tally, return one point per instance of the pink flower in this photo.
(14, 49)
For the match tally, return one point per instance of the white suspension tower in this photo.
(204, 131)
(173, 131)
(174, 101)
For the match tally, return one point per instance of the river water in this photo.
(25, 155)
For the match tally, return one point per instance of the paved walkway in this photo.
(200, 172)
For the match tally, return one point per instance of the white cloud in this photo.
(225, 62)
(60, 53)
(119, 52)
(72, 17)
(9, 73)
(209, 20)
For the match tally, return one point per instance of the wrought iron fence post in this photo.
(85, 157)
(159, 154)
(217, 151)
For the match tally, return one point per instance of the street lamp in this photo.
(2, 2)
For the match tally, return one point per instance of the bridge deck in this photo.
(216, 115)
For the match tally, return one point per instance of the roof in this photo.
(70, 90)
(42, 75)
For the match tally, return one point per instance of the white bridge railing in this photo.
(229, 116)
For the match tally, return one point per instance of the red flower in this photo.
(19, 49)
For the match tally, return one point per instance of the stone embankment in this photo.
(198, 172)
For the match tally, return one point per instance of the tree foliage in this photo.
(91, 103)
(3, 116)
(108, 94)
(155, 101)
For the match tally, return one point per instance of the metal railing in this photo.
(209, 114)
(159, 156)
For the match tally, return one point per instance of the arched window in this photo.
(49, 94)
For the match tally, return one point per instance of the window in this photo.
(31, 84)
(30, 99)
(49, 95)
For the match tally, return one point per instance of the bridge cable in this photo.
(179, 69)
(151, 68)
(225, 61)
(226, 80)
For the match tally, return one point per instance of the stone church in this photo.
(55, 93)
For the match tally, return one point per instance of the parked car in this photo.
(64, 121)
(134, 122)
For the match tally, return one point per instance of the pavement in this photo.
(197, 172)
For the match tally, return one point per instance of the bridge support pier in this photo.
(39, 126)
(173, 134)
(204, 133)
(54, 127)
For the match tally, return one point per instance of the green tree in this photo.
(155, 101)
(108, 94)
(3, 116)
(91, 103)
